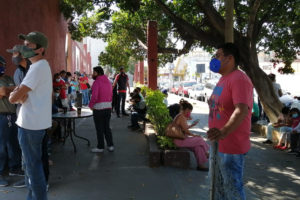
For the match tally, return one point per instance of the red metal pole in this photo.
(152, 54)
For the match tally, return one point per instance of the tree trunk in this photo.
(263, 85)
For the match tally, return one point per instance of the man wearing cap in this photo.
(21, 63)
(34, 94)
(122, 81)
(9, 147)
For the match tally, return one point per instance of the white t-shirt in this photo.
(35, 113)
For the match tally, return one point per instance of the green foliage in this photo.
(157, 111)
(165, 142)
(271, 27)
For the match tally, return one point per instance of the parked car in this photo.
(197, 92)
(174, 89)
(184, 87)
(208, 89)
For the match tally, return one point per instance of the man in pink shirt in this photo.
(230, 120)
(100, 103)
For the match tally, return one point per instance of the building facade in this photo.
(18, 16)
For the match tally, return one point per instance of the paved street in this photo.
(125, 175)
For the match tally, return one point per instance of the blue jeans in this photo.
(85, 97)
(9, 145)
(229, 177)
(31, 145)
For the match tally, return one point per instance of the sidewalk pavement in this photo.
(121, 175)
(125, 175)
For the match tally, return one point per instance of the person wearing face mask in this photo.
(191, 141)
(229, 121)
(35, 95)
(100, 103)
(58, 82)
(20, 62)
(294, 135)
(10, 151)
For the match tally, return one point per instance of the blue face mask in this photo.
(215, 65)
(295, 115)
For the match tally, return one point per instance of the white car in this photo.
(208, 89)
(197, 92)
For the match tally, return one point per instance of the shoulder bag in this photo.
(174, 131)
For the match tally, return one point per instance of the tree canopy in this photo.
(259, 25)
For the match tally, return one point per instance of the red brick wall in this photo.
(19, 16)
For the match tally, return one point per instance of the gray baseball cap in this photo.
(16, 48)
(36, 38)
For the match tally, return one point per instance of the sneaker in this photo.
(130, 126)
(204, 169)
(3, 182)
(283, 147)
(292, 152)
(111, 148)
(277, 147)
(19, 184)
(118, 116)
(125, 114)
(96, 150)
(17, 172)
(268, 142)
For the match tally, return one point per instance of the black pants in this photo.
(295, 141)
(121, 97)
(114, 100)
(102, 124)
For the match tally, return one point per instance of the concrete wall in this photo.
(20, 16)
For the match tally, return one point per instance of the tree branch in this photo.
(214, 18)
(252, 18)
(187, 31)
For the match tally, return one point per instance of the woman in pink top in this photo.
(191, 141)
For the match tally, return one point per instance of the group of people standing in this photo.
(25, 99)
(229, 117)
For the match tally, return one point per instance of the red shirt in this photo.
(232, 89)
(61, 84)
(83, 86)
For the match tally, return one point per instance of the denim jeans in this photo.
(121, 97)
(229, 177)
(9, 145)
(102, 124)
(85, 97)
(31, 145)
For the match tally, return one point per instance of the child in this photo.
(293, 136)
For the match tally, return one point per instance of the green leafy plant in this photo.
(157, 111)
(159, 116)
(165, 142)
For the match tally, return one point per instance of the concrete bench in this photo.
(262, 130)
(171, 158)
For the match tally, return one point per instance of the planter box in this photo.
(171, 158)
(177, 158)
